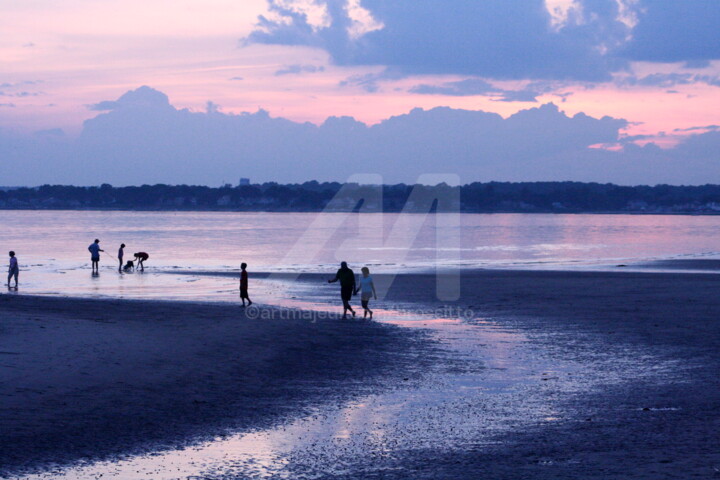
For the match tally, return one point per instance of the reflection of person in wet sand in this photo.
(244, 285)
(368, 291)
(95, 250)
(13, 270)
(140, 257)
(347, 286)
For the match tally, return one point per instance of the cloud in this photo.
(103, 106)
(142, 97)
(585, 40)
(20, 94)
(370, 82)
(468, 87)
(20, 84)
(298, 69)
(478, 86)
(699, 128)
(672, 31)
(518, 96)
(52, 132)
(237, 79)
(492, 38)
(145, 139)
(697, 64)
(667, 80)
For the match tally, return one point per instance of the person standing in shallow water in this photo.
(347, 286)
(244, 285)
(95, 250)
(368, 291)
(121, 254)
(13, 270)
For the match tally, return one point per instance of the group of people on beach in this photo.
(94, 249)
(137, 262)
(348, 286)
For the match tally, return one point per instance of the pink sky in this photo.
(59, 57)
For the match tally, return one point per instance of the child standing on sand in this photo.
(244, 285)
(368, 291)
(13, 270)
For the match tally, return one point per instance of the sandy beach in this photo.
(664, 430)
(89, 379)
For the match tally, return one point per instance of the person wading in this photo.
(121, 255)
(95, 250)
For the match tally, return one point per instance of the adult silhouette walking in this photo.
(346, 277)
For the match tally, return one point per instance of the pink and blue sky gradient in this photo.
(655, 65)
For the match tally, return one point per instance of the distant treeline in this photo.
(526, 197)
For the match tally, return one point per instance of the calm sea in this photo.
(52, 245)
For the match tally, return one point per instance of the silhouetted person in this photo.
(347, 286)
(368, 291)
(13, 270)
(121, 254)
(140, 258)
(244, 284)
(95, 250)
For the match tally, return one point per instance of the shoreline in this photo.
(388, 211)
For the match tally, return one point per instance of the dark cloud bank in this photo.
(142, 138)
(504, 39)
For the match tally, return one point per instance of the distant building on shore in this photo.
(244, 182)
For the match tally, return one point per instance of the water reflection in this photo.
(493, 380)
(312, 242)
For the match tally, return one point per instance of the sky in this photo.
(204, 92)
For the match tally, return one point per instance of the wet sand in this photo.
(123, 376)
(663, 429)
(690, 264)
(92, 379)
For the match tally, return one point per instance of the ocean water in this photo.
(52, 245)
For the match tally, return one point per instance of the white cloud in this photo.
(561, 12)
(362, 20)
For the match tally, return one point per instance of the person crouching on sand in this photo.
(368, 291)
(244, 285)
(140, 258)
(13, 270)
